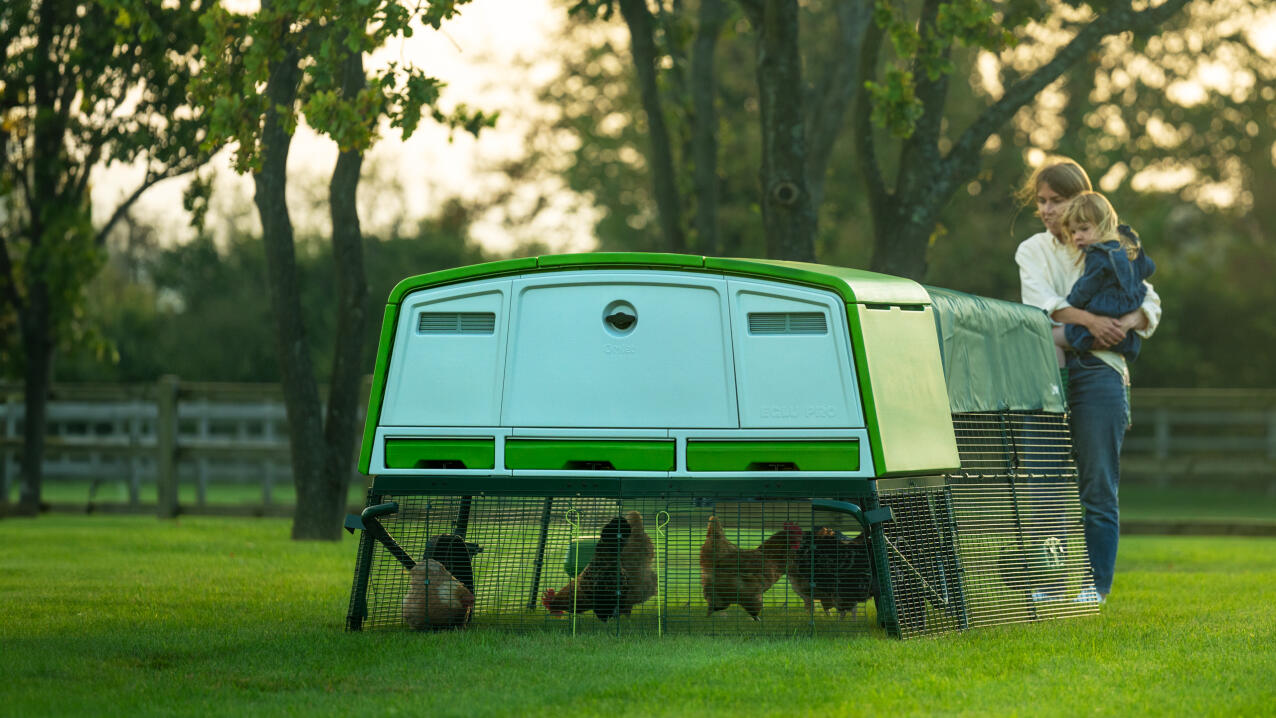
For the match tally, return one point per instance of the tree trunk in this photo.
(900, 244)
(664, 182)
(787, 212)
(38, 354)
(704, 146)
(352, 291)
(35, 315)
(301, 395)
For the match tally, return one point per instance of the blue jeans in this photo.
(1099, 410)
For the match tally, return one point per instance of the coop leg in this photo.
(540, 554)
(362, 573)
(463, 517)
(887, 613)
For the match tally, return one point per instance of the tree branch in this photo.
(151, 179)
(9, 279)
(79, 185)
(965, 151)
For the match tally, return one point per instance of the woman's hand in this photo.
(1134, 321)
(1107, 331)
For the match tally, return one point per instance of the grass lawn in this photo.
(109, 615)
(1170, 503)
(1138, 502)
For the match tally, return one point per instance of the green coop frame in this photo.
(960, 479)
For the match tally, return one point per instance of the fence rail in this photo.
(176, 438)
(159, 437)
(1219, 437)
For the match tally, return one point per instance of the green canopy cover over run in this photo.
(997, 355)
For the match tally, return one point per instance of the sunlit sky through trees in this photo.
(498, 53)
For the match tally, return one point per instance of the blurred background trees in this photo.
(654, 119)
(1176, 127)
(82, 84)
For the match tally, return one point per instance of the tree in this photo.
(263, 72)
(81, 84)
(844, 46)
(200, 310)
(930, 166)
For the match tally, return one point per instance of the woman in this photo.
(1098, 402)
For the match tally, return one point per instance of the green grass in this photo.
(134, 616)
(1196, 504)
(1138, 502)
(218, 493)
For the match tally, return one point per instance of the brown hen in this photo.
(730, 574)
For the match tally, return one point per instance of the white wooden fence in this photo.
(170, 434)
(158, 437)
(1208, 437)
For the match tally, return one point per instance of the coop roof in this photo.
(854, 285)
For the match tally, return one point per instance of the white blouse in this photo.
(1047, 270)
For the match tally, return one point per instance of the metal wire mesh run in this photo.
(680, 565)
(998, 541)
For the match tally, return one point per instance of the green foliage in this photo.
(81, 84)
(200, 310)
(127, 615)
(242, 50)
(895, 103)
(922, 47)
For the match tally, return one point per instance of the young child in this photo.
(1111, 283)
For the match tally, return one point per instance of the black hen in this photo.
(599, 586)
(833, 569)
(454, 553)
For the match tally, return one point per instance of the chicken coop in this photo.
(672, 444)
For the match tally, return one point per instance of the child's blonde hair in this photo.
(1095, 209)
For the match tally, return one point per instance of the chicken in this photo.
(598, 586)
(833, 569)
(435, 599)
(454, 553)
(729, 574)
(638, 580)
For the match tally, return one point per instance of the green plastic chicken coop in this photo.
(653, 443)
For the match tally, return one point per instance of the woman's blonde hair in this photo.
(1093, 208)
(1063, 175)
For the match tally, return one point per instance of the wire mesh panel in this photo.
(679, 565)
(1018, 516)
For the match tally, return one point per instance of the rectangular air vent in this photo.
(787, 323)
(456, 323)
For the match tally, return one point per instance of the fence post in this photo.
(166, 446)
(6, 424)
(1161, 429)
(1271, 435)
